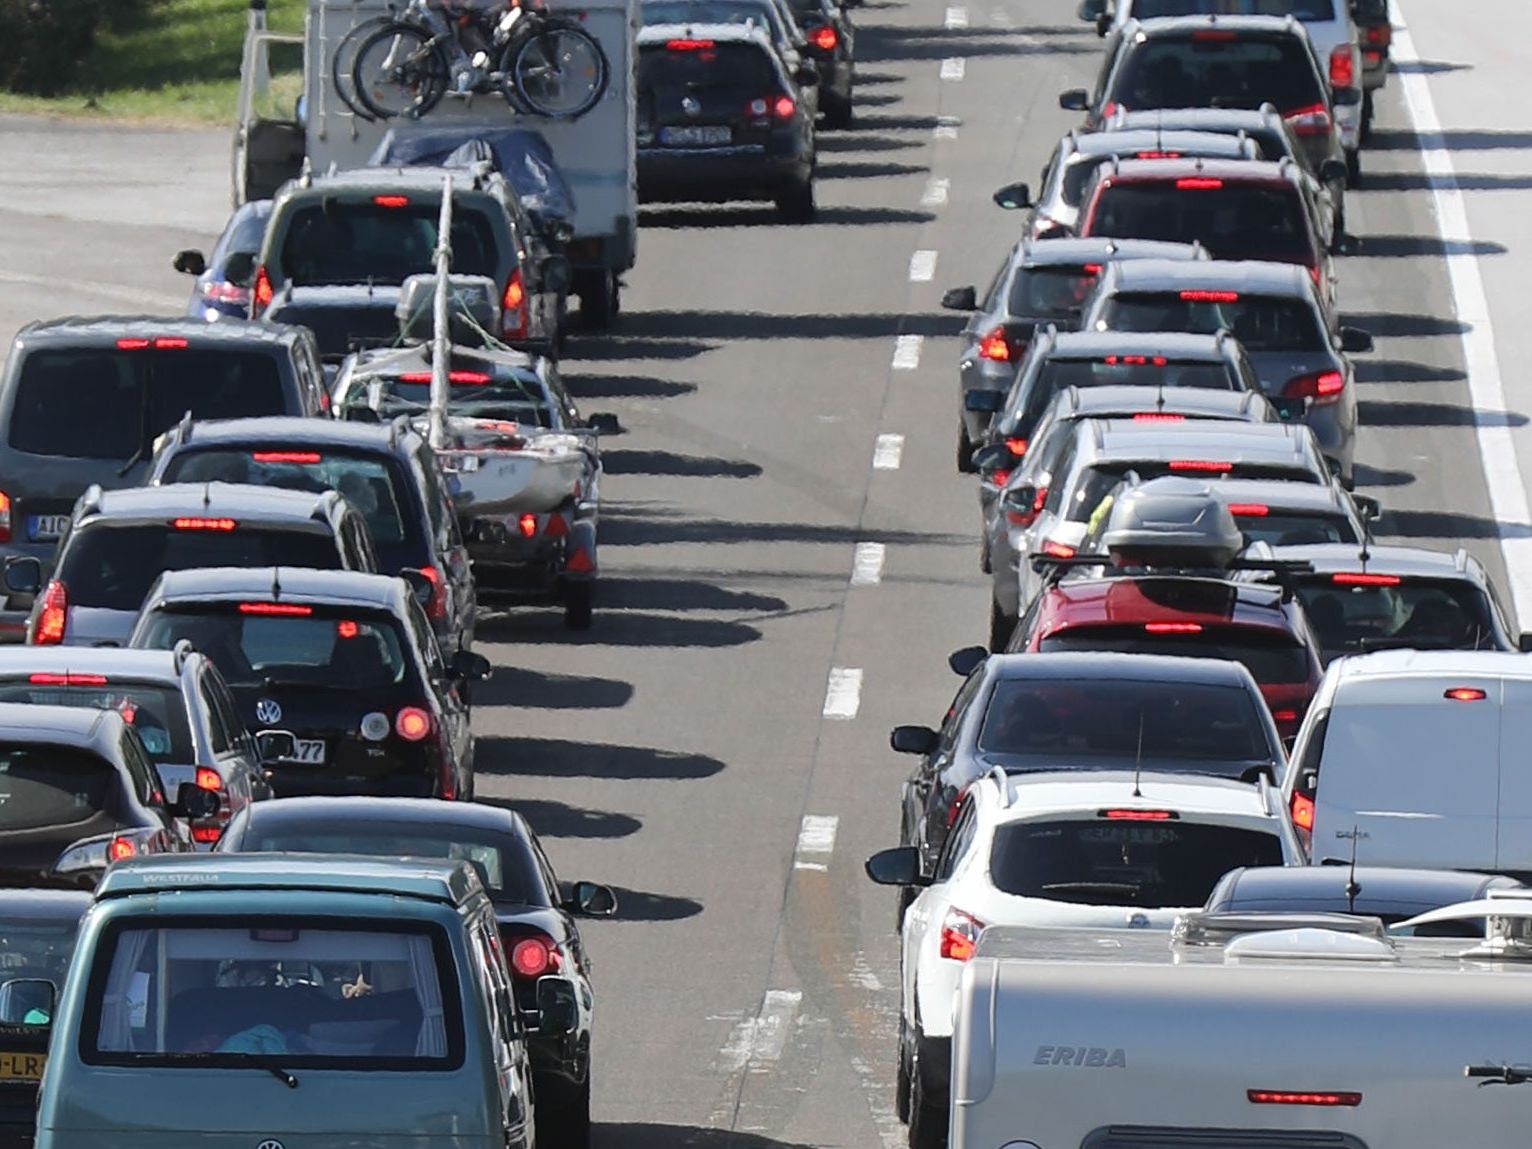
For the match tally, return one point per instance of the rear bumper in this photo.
(290, 781)
(718, 174)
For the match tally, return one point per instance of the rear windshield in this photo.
(336, 241)
(158, 713)
(1415, 613)
(288, 992)
(1260, 322)
(1301, 9)
(1239, 72)
(111, 566)
(43, 785)
(1104, 720)
(1296, 528)
(1233, 220)
(1272, 657)
(1097, 482)
(1050, 292)
(1122, 370)
(1124, 863)
(762, 15)
(100, 403)
(507, 396)
(730, 65)
(38, 947)
(375, 486)
(322, 649)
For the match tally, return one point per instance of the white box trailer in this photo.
(1306, 1038)
(275, 134)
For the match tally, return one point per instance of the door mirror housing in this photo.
(591, 900)
(604, 423)
(239, 268)
(557, 274)
(1103, 24)
(558, 1009)
(983, 402)
(1355, 341)
(912, 739)
(1020, 500)
(470, 665)
(27, 1001)
(1524, 642)
(1346, 244)
(420, 586)
(960, 299)
(899, 866)
(192, 802)
(276, 745)
(807, 75)
(189, 262)
(23, 574)
(1091, 10)
(1074, 100)
(992, 456)
(965, 661)
(1368, 507)
(1333, 172)
(1013, 196)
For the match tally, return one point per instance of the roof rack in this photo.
(90, 501)
(1507, 918)
(183, 430)
(1002, 782)
(179, 652)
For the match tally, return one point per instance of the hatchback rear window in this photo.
(158, 713)
(113, 567)
(1260, 322)
(105, 403)
(1295, 528)
(1208, 72)
(1104, 722)
(762, 15)
(1443, 615)
(1271, 656)
(1150, 864)
(337, 241)
(1300, 9)
(1233, 220)
(1050, 292)
(706, 64)
(43, 785)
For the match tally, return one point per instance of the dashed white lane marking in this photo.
(957, 18)
(1486, 388)
(887, 451)
(907, 352)
(843, 693)
(922, 266)
(761, 1039)
(936, 191)
(816, 842)
(947, 127)
(867, 564)
(953, 68)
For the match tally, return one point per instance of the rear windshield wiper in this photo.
(246, 1060)
(1090, 888)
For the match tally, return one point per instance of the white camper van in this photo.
(1325, 1036)
(290, 113)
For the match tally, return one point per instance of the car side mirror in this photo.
(192, 802)
(557, 274)
(604, 423)
(239, 268)
(1333, 172)
(983, 402)
(1524, 642)
(807, 75)
(27, 1001)
(1346, 244)
(1013, 196)
(1290, 408)
(189, 262)
(469, 664)
(992, 456)
(960, 299)
(965, 661)
(1103, 24)
(1020, 500)
(420, 586)
(1074, 100)
(1368, 507)
(276, 745)
(1355, 341)
(23, 574)
(558, 1009)
(912, 739)
(897, 866)
(591, 900)
(362, 414)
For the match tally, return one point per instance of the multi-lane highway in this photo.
(789, 553)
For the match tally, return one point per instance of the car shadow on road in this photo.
(681, 594)
(863, 141)
(1410, 246)
(734, 325)
(869, 169)
(1464, 139)
(551, 819)
(628, 462)
(1405, 414)
(1404, 371)
(1465, 181)
(704, 217)
(630, 628)
(545, 690)
(1392, 324)
(506, 755)
(639, 906)
(624, 386)
(621, 345)
(639, 529)
(635, 1135)
(1449, 525)
(1368, 476)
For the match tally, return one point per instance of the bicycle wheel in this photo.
(399, 71)
(557, 69)
(343, 64)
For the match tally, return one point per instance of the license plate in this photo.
(702, 135)
(45, 528)
(22, 1066)
(309, 751)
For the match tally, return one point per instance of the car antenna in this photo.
(276, 585)
(207, 494)
(1159, 399)
(1352, 889)
(1138, 755)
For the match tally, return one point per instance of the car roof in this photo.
(1236, 442)
(162, 666)
(1286, 494)
(294, 813)
(449, 882)
(1315, 885)
(1225, 119)
(1266, 172)
(1121, 141)
(1418, 562)
(1247, 276)
(1158, 26)
(1074, 250)
(296, 584)
(1119, 600)
(1123, 402)
(652, 35)
(1046, 793)
(422, 181)
(1443, 665)
(1110, 666)
(91, 330)
(214, 499)
(381, 437)
(76, 726)
(42, 905)
(1172, 344)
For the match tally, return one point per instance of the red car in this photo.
(1252, 623)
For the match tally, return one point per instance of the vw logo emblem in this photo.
(271, 1143)
(1138, 921)
(690, 106)
(267, 712)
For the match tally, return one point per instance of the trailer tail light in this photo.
(198, 523)
(1172, 628)
(1282, 1097)
(1362, 578)
(54, 616)
(1201, 466)
(1138, 815)
(527, 524)
(1323, 387)
(824, 38)
(300, 458)
(261, 294)
(1464, 694)
(960, 935)
(1342, 68)
(994, 347)
(1313, 120)
(513, 307)
(276, 609)
(1199, 183)
(1210, 296)
(412, 724)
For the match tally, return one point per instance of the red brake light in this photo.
(121, 848)
(1000, 478)
(1157, 155)
(132, 344)
(164, 343)
(960, 935)
(1173, 628)
(1362, 578)
(262, 293)
(276, 609)
(1198, 183)
(1209, 35)
(437, 607)
(1323, 387)
(1284, 717)
(1313, 120)
(1135, 361)
(1017, 447)
(688, 45)
(52, 619)
(1058, 550)
(1303, 812)
(391, 200)
(5, 517)
(202, 524)
(412, 724)
(209, 779)
(302, 457)
(1342, 67)
(1464, 694)
(994, 347)
(1091, 269)
(824, 38)
(513, 307)
(67, 680)
(346, 628)
(528, 525)
(1157, 417)
(470, 378)
(1138, 815)
(1204, 466)
(1210, 296)
(784, 108)
(533, 957)
(1380, 35)
(1249, 510)
(1277, 1097)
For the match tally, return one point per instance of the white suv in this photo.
(1050, 849)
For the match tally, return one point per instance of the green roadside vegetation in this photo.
(176, 61)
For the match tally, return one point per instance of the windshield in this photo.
(1301, 9)
(375, 486)
(1150, 864)
(1232, 220)
(1104, 720)
(50, 785)
(99, 403)
(1260, 322)
(335, 241)
(309, 648)
(508, 396)
(1296, 528)
(1229, 71)
(1050, 292)
(113, 567)
(1271, 656)
(285, 992)
(1437, 615)
(158, 713)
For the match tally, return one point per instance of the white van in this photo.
(1418, 758)
(1295, 1039)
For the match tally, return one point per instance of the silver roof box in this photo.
(1171, 521)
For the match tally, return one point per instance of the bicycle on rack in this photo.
(404, 65)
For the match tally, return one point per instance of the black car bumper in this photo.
(714, 175)
(297, 781)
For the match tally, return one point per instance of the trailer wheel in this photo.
(600, 299)
(579, 603)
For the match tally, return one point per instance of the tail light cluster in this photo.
(53, 617)
(995, 347)
(1026, 518)
(824, 38)
(960, 935)
(554, 528)
(412, 724)
(533, 954)
(5, 517)
(1321, 387)
(437, 607)
(209, 830)
(1342, 68)
(1313, 120)
(514, 312)
(261, 294)
(766, 107)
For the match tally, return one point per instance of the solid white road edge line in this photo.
(887, 451)
(843, 693)
(867, 564)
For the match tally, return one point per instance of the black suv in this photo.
(82, 401)
(388, 473)
(720, 118)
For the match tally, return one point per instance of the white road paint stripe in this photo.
(867, 564)
(843, 694)
(887, 451)
(936, 192)
(907, 352)
(953, 68)
(760, 1040)
(816, 839)
(1486, 388)
(947, 127)
(922, 266)
(957, 18)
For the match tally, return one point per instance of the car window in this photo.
(1293, 528)
(1117, 862)
(146, 780)
(1219, 71)
(1050, 292)
(1232, 220)
(692, 64)
(244, 232)
(49, 785)
(958, 842)
(1272, 656)
(218, 729)
(763, 15)
(100, 403)
(952, 724)
(1446, 615)
(228, 712)
(1301, 9)
(337, 241)
(1126, 371)
(1259, 322)
(157, 712)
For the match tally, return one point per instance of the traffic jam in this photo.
(1222, 838)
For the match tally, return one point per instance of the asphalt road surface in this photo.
(788, 553)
